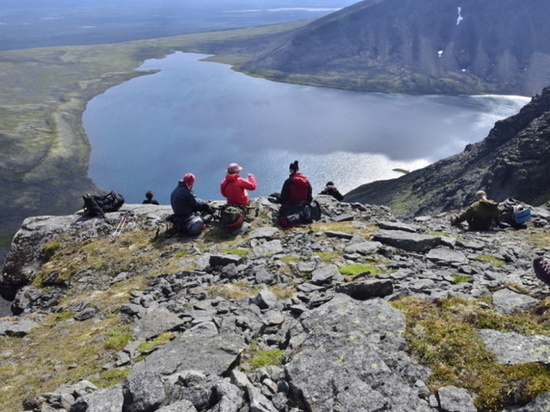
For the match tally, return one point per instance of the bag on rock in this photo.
(303, 213)
(192, 225)
(232, 216)
(98, 205)
(514, 213)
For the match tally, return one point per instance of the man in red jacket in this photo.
(234, 187)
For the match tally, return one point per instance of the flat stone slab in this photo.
(512, 348)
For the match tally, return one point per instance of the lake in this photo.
(196, 116)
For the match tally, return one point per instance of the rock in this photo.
(412, 242)
(446, 256)
(143, 392)
(155, 322)
(507, 302)
(348, 357)
(367, 290)
(453, 399)
(326, 274)
(104, 400)
(512, 348)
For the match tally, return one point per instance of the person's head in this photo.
(293, 168)
(480, 194)
(189, 180)
(233, 168)
(329, 184)
(149, 195)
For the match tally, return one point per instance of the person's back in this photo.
(234, 188)
(331, 190)
(149, 199)
(296, 189)
(182, 200)
(480, 215)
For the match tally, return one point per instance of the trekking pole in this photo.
(120, 226)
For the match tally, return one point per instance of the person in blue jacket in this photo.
(183, 200)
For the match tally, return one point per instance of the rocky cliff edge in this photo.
(356, 312)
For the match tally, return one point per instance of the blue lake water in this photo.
(196, 116)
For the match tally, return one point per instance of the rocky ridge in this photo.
(339, 340)
(510, 162)
(415, 47)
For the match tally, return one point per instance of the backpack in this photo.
(514, 213)
(98, 205)
(302, 213)
(191, 225)
(232, 216)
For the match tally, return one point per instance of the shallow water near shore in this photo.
(196, 116)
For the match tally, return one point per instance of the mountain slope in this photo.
(512, 161)
(419, 47)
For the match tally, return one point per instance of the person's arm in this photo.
(309, 192)
(285, 192)
(223, 186)
(250, 183)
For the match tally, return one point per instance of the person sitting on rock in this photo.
(185, 203)
(331, 190)
(149, 199)
(480, 215)
(234, 188)
(296, 189)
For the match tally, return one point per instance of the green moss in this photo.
(118, 338)
(289, 259)
(490, 259)
(442, 334)
(328, 256)
(162, 339)
(49, 249)
(357, 269)
(461, 278)
(109, 378)
(260, 358)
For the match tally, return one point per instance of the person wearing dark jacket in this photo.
(331, 190)
(149, 199)
(183, 200)
(480, 215)
(296, 189)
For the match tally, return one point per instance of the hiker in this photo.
(331, 190)
(297, 204)
(234, 188)
(480, 215)
(186, 206)
(149, 199)
(541, 265)
(296, 189)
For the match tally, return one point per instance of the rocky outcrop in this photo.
(340, 341)
(512, 161)
(417, 47)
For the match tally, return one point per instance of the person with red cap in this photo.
(234, 188)
(183, 200)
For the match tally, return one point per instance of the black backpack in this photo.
(98, 205)
(302, 213)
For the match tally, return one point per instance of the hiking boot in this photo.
(542, 268)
